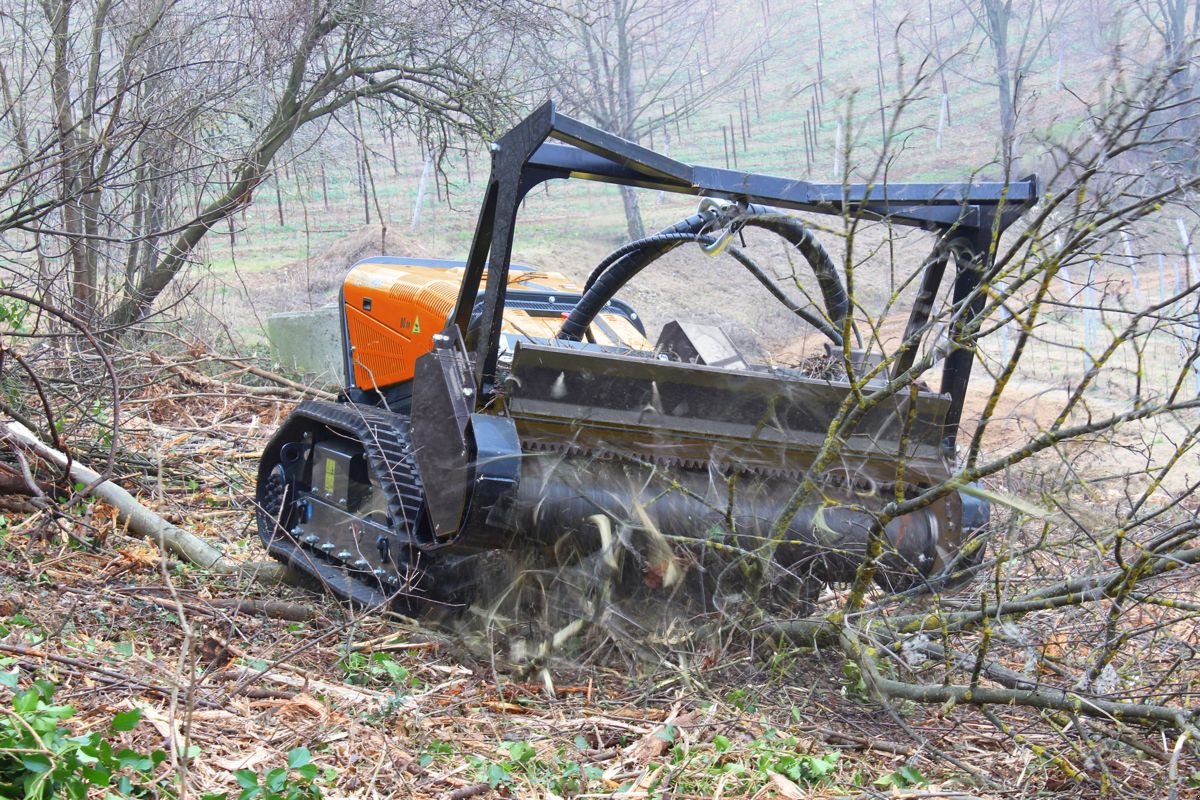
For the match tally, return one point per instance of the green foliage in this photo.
(904, 778)
(741, 700)
(299, 780)
(432, 750)
(855, 687)
(376, 668)
(557, 773)
(775, 752)
(743, 768)
(40, 759)
(13, 313)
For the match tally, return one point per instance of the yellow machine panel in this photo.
(393, 306)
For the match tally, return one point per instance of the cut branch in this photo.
(143, 522)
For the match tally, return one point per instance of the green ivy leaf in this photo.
(127, 720)
(26, 702)
(38, 763)
(134, 760)
(246, 778)
(521, 752)
(299, 757)
(496, 775)
(59, 712)
(274, 779)
(97, 776)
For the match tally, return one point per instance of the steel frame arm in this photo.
(970, 213)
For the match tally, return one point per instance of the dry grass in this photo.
(392, 709)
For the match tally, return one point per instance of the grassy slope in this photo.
(589, 217)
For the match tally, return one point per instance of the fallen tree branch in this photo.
(272, 609)
(1041, 697)
(193, 378)
(863, 742)
(143, 522)
(1011, 679)
(1076, 591)
(267, 375)
(284, 389)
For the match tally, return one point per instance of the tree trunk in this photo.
(633, 214)
(626, 108)
(1180, 46)
(59, 16)
(421, 186)
(997, 14)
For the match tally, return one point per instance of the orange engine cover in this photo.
(393, 306)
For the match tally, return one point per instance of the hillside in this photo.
(770, 107)
(595, 574)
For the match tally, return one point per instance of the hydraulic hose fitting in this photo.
(726, 218)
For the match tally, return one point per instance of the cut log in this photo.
(147, 524)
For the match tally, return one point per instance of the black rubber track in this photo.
(384, 439)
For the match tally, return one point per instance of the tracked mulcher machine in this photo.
(491, 406)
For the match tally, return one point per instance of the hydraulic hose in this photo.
(837, 304)
(625, 262)
(812, 319)
(610, 282)
(617, 269)
(632, 247)
(629, 268)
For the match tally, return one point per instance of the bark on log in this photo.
(143, 522)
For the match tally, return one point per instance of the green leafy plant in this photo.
(855, 687)
(13, 313)
(40, 759)
(559, 774)
(905, 777)
(433, 749)
(376, 668)
(31, 634)
(777, 753)
(301, 779)
(742, 700)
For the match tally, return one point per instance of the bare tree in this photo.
(1176, 24)
(143, 123)
(639, 67)
(1018, 33)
